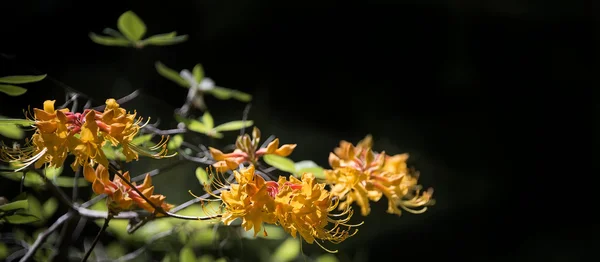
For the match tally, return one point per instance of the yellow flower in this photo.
(89, 144)
(121, 127)
(361, 175)
(247, 151)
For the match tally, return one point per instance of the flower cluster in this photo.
(361, 175)
(247, 151)
(60, 132)
(301, 207)
(120, 195)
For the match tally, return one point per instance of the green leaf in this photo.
(208, 120)
(233, 125)
(131, 26)
(49, 207)
(114, 33)
(287, 251)
(308, 166)
(21, 122)
(4, 251)
(327, 258)
(241, 96)
(281, 163)
(204, 258)
(21, 218)
(198, 72)
(109, 41)
(15, 205)
(202, 176)
(215, 134)
(12, 90)
(68, 182)
(226, 93)
(175, 142)
(22, 79)
(52, 172)
(273, 233)
(141, 139)
(187, 255)
(170, 74)
(165, 39)
(12, 131)
(197, 126)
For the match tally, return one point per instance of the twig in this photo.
(75, 186)
(154, 130)
(121, 100)
(89, 252)
(245, 118)
(44, 235)
(201, 160)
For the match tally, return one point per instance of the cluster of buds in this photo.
(59, 133)
(247, 151)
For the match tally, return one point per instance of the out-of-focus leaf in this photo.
(131, 26)
(273, 233)
(35, 209)
(162, 41)
(12, 131)
(281, 163)
(175, 142)
(198, 72)
(114, 33)
(202, 176)
(241, 96)
(141, 139)
(12, 121)
(287, 251)
(31, 180)
(233, 125)
(68, 182)
(327, 258)
(226, 93)
(197, 126)
(52, 172)
(12, 90)
(19, 204)
(115, 250)
(4, 251)
(109, 40)
(21, 218)
(208, 120)
(170, 74)
(206, 258)
(49, 207)
(24, 79)
(222, 259)
(308, 166)
(186, 254)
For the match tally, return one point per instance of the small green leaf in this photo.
(20, 204)
(308, 166)
(287, 251)
(281, 163)
(186, 254)
(215, 134)
(68, 182)
(198, 72)
(327, 258)
(4, 251)
(21, 122)
(170, 74)
(175, 142)
(21, 218)
(12, 90)
(109, 41)
(202, 176)
(131, 26)
(114, 33)
(208, 120)
(12, 131)
(52, 172)
(204, 258)
(233, 125)
(220, 93)
(197, 126)
(165, 39)
(241, 96)
(141, 139)
(49, 207)
(22, 79)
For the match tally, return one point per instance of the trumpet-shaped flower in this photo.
(361, 175)
(247, 151)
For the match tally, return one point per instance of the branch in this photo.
(44, 235)
(121, 100)
(155, 130)
(89, 252)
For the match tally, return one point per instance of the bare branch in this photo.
(89, 252)
(154, 130)
(121, 100)
(44, 235)
(245, 118)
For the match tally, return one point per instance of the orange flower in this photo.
(247, 151)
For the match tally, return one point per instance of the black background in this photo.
(462, 85)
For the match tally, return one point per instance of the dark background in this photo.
(461, 85)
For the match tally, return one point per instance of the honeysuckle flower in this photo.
(247, 151)
(120, 196)
(301, 207)
(361, 175)
(60, 132)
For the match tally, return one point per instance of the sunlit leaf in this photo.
(114, 33)
(170, 74)
(208, 121)
(327, 258)
(233, 125)
(139, 140)
(52, 172)
(175, 142)
(215, 134)
(12, 131)
(109, 40)
(19, 204)
(226, 93)
(279, 162)
(24, 79)
(12, 90)
(197, 126)
(206, 258)
(202, 176)
(4, 251)
(287, 251)
(68, 182)
(21, 122)
(186, 254)
(49, 207)
(21, 218)
(131, 26)
(198, 72)
(165, 39)
(241, 96)
(273, 232)
(308, 166)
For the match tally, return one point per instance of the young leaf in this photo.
(215, 134)
(281, 163)
(165, 39)
(109, 41)
(175, 142)
(68, 181)
(12, 121)
(141, 139)
(12, 90)
(220, 93)
(12, 131)
(327, 258)
(198, 72)
(22, 79)
(114, 33)
(19, 204)
(197, 126)
(233, 125)
(52, 172)
(170, 74)
(49, 207)
(21, 218)
(202, 176)
(287, 251)
(208, 121)
(187, 255)
(241, 96)
(131, 26)
(317, 171)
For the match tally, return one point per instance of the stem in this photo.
(75, 186)
(44, 235)
(89, 252)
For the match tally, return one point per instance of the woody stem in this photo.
(104, 227)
